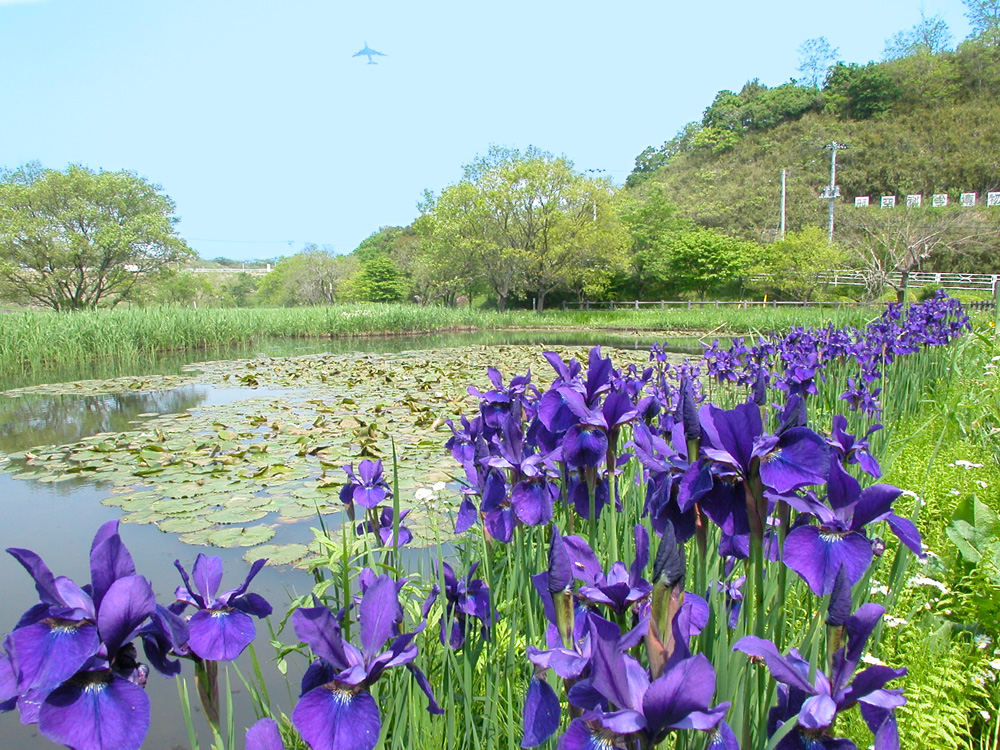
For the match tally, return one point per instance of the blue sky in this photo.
(266, 132)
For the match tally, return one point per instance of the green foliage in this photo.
(522, 222)
(758, 107)
(975, 531)
(311, 277)
(791, 266)
(379, 243)
(240, 289)
(380, 280)
(703, 260)
(860, 92)
(78, 239)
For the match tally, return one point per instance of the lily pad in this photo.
(235, 515)
(185, 525)
(277, 554)
(241, 537)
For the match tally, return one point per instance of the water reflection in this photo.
(58, 419)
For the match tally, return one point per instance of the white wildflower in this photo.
(983, 642)
(423, 494)
(921, 580)
(967, 464)
(894, 622)
(982, 484)
(874, 661)
(881, 590)
(438, 486)
(954, 493)
(985, 714)
(995, 664)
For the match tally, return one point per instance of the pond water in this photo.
(55, 511)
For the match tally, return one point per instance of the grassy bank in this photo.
(36, 343)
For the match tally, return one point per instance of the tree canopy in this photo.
(524, 222)
(77, 239)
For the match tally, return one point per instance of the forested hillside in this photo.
(925, 122)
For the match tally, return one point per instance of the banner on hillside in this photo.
(967, 199)
(888, 201)
(914, 201)
(861, 201)
(939, 200)
(993, 199)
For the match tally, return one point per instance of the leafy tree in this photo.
(526, 221)
(76, 239)
(380, 280)
(652, 221)
(815, 58)
(173, 287)
(930, 36)
(984, 17)
(791, 267)
(703, 260)
(240, 289)
(311, 277)
(758, 107)
(861, 92)
(379, 243)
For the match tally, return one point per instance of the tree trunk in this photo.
(541, 303)
(501, 302)
(904, 278)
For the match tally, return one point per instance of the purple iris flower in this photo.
(735, 449)
(852, 450)
(817, 553)
(464, 597)
(817, 704)
(382, 527)
(498, 404)
(264, 735)
(734, 598)
(534, 491)
(336, 710)
(368, 487)
(221, 628)
(70, 663)
(622, 587)
(587, 442)
(621, 705)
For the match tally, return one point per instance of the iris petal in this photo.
(264, 735)
(331, 718)
(817, 555)
(96, 712)
(220, 635)
(541, 713)
(48, 653)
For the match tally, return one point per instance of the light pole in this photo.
(832, 192)
(596, 174)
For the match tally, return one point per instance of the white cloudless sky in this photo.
(266, 132)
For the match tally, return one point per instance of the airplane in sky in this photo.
(368, 52)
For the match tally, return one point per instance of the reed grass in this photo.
(35, 345)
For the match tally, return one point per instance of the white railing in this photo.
(966, 281)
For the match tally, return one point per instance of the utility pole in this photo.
(782, 204)
(832, 192)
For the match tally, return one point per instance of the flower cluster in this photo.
(70, 664)
(796, 359)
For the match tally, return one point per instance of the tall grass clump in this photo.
(37, 344)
